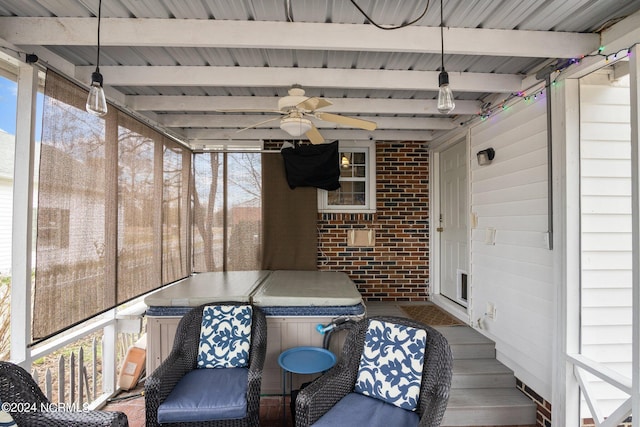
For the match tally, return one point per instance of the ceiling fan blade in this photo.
(258, 124)
(313, 103)
(246, 110)
(347, 121)
(314, 136)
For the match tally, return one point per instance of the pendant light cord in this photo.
(99, 18)
(442, 34)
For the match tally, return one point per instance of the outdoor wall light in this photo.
(486, 156)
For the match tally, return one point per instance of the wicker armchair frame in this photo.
(183, 358)
(321, 395)
(19, 391)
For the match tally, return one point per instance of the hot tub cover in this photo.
(208, 287)
(307, 288)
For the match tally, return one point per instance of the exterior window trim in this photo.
(369, 148)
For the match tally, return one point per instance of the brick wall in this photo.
(397, 267)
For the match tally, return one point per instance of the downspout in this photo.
(549, 236)
(545, 74)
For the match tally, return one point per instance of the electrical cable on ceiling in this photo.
(288, 10)
(406, 24)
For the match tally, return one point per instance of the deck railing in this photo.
(73, 374)
(81, 367)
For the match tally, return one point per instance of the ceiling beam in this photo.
(330, 134)
(342, 105)
(293, 35)
(307, 77)
(242, 121)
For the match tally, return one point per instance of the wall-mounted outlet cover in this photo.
(491, 311)
(490, 236)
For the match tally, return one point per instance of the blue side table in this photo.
(302, 360)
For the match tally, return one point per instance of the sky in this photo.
(8, 91)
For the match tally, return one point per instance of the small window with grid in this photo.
(357, 180)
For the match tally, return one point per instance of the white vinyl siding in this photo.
(606, 256)
(515, 273)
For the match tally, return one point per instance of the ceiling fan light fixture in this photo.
(295, 126)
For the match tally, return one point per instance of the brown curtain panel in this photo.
(112, 220)
(72, 281)
(290, 239)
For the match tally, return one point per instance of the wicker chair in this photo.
(183, 359)
(320, 396)
(19, 391)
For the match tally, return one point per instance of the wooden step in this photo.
(489, 407)
(481, 373)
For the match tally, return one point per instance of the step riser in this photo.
(483, 381)
(473, 351)
(489, 417)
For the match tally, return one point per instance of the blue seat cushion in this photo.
(205, 395)
(358, 410)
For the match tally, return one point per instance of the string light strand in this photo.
(489, 109)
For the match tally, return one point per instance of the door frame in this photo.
(434, 242)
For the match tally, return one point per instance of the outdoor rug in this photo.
(430, 315)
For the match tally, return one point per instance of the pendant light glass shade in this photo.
(96, 101)
(445, 95)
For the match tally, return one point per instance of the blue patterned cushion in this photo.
(391, 364)
(225, 336)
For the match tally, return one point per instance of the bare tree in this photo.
(204, 219)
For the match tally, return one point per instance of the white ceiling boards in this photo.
(184, 64)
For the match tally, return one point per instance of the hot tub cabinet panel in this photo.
(161, 330)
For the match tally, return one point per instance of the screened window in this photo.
(175, 218)
(227, 211)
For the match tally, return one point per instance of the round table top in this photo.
(306, 360)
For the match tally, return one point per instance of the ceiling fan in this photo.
(296, 108)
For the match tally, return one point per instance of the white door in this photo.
(452, 224)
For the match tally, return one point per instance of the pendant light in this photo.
(96, 101)
(445, 96)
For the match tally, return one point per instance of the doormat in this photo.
(431, 315)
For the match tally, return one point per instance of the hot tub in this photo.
(295, 302)
(166, 307)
